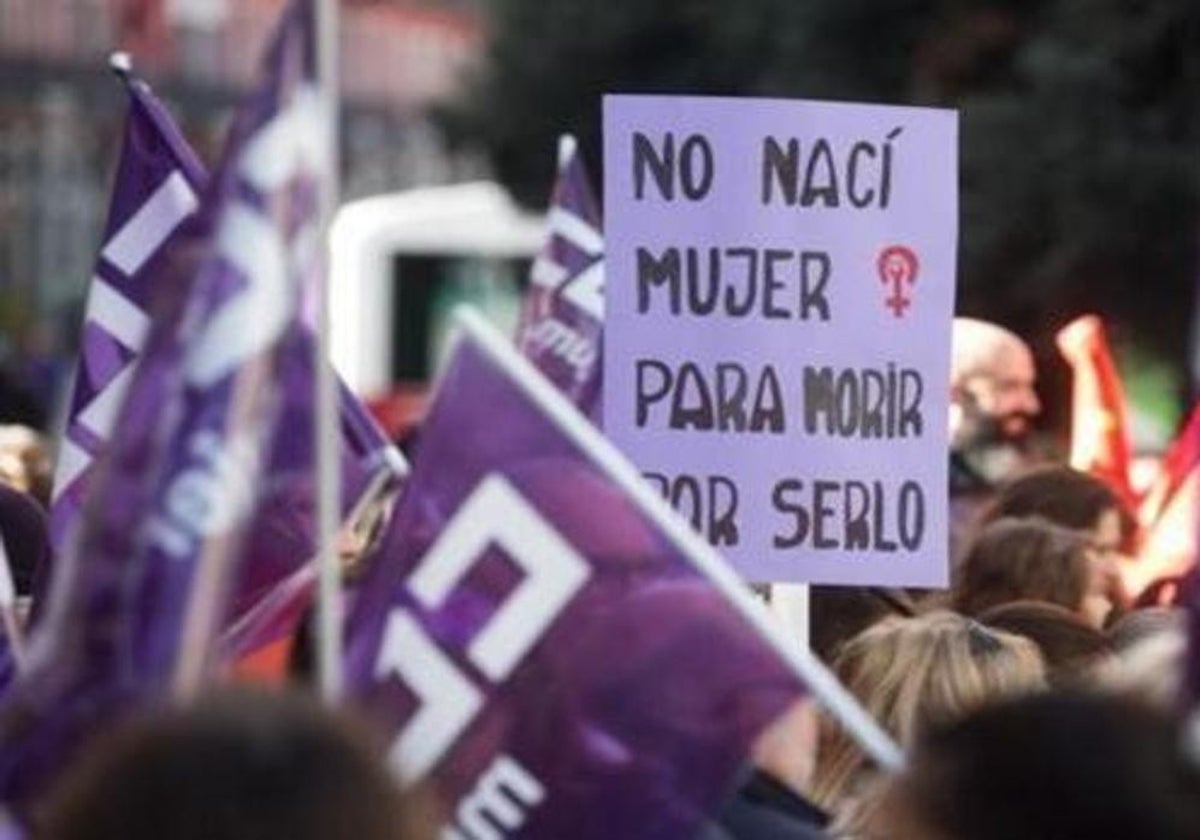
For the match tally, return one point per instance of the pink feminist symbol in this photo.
(898, 267)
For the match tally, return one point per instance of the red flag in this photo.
(1099, 417)
(1177, 465)
(1168, 512)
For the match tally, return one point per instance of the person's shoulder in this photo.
(764, 809)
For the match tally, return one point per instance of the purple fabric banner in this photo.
(549, 646)
(174, 491)
(282, 535)
(562, 317)
(155, 191)
(157, 183)
(272, 618)
(777, 333)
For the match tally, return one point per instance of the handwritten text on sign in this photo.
(781, 282)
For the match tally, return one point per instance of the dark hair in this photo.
(839, 613)
(236, 766)
(1050, 766)
(26, 537)
(1139, 625)
(1070, 646)
(1023, 560)
(1066, 497)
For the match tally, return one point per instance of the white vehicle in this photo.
(401, 262)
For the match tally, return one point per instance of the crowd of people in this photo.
(1036, 697)
(1040, 695)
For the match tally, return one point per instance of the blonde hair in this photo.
(25, 462)
(910, 673)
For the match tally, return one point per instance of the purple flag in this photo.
(562, 318)
(157, 183)
(274, 617)
(545, 642)
(155, 191)
(173, 493)
(282, 537)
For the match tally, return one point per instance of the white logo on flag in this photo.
(587, 289)
(111, 311)
(495, 513)
(248, 323)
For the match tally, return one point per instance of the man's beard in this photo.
(985, 431)
(994, 446)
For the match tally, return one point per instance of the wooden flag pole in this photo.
(329, 601)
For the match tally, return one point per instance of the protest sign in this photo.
(551, 649)
(779, 300)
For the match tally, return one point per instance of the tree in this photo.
(1080, 123)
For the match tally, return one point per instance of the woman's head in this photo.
(236, 766)
(1056, 765)
(910, 673)
(1070, 499)
(1151, 657)
(1029, 560)
(1071, 647)
(1138, 625)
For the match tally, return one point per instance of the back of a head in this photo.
(1136, 626)
(1063, 496)
(1149, 666)
(1023, 560)
(1071, 647)
(1049, 766)
(911, 673)
(237, 766)
(839, 613)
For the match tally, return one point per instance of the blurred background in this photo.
(1080, 147)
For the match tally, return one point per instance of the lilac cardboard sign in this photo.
(779, 298)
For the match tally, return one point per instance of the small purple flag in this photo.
(174, 491)
(156, 188)
(562, 318)
(548, 645)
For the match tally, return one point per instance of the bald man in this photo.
(992, 400)
(992, 408)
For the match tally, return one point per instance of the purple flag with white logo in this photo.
(173, 493)
(546, 643)
(562, 318)
(155, 190)
(157, 185)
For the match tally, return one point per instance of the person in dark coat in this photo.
(26, 538)
(763, 808)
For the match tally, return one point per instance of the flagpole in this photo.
(791, 604)
(329, 612)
